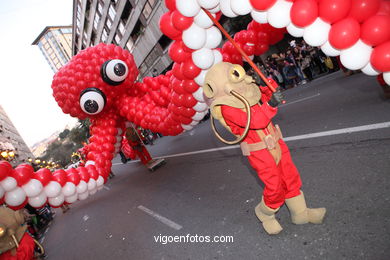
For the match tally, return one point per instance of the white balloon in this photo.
(100, 181)
(57, 201)
(215, 9)
(369, 70)
(208, 4)
(15, 197)
(188, 8)
(194, 37)
(83, 196)
(200, 78)
(217, 56)
(91, 184)
(2, 191)
(187, 127)
(194, 123)
(82, 187)
(329, 50)
(241, 7)
(200, 107)
(198, 95)
(202, 20)
(260, 16)
(357, 56)
(52, 189)
(226, 9)
(32, 188)
(71, 199)
(386, 77)
(38, 201)
(69, 189)
(279, 14)
(199, 116)
(89, 163)
(213, 37)
(295, 30)
(316, 34)
(9, 183)
(93, 191)
(203, 58)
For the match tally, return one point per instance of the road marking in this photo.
(160, 218)
(294, 138)
(105, 187)
(42, 240)
(299, 100)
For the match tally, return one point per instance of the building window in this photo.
(164, 42)
(126, 12)
(148, 8)
(137, 31)
(129, 45)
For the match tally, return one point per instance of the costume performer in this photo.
(15, 242)
(263, 145)
(136, 144)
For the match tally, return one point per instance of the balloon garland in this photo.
(99, 82)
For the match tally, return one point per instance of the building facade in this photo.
(12, 146)
(131, 24)
(55, 43)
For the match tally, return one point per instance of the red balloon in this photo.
(384, 8)
(380, 57)
(344, 33)
(43, 175)
(187, 100)
(177, 52)
(22, 174)
(263, 37)
(364, 9)
(93, 172)
(5, 170)
(167, 27)
(84, 175)
(170, 4)
(376, 30)
(249, 49)
(177, 72)
(60, 176)
(190, 86)
(181, 22)
(332, 11)
(73, 176)
(261, 48)
(189, 69)
(304, 12)
(262, 4)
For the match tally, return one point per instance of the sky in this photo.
(25, 76)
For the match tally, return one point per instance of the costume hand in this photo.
(276, 99)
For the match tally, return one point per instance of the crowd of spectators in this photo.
(298, 64)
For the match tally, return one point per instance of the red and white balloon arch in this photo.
(356, 30)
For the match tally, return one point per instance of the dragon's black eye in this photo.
(114, 72)
(92, 101)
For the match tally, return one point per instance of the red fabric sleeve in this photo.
(266, 93)
(261, 116)
(25, 250)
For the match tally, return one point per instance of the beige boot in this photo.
(300, 214)
(267, 216)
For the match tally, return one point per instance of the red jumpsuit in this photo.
(132, 144)
(281, 181)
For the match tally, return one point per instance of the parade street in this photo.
(338, 132)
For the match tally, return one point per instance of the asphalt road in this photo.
(214, 193)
